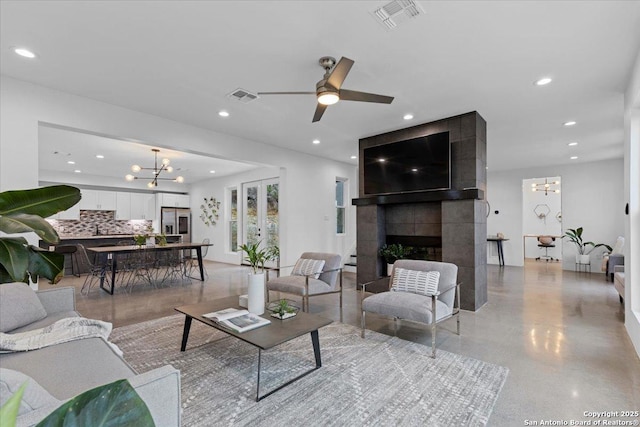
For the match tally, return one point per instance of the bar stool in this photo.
(71, 251)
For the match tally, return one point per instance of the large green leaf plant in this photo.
(584, 248)
(23, 211)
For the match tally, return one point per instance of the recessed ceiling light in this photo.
(543, 81)
(408, 116)
(354, 157)
(71, 162)
(573, 157)
(223, 113)
(572, 144)
(414, 169)
(570, 123)
(77, 171)
(212, 171)
(26, 53)
(99, 156)
(316, 141)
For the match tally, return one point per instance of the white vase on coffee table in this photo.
(256, 293)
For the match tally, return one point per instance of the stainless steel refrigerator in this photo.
(176, 221)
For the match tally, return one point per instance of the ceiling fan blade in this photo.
(286, 93)
(339, 72)
(354, 95)
(319, 112)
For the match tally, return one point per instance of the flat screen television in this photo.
(418, 164)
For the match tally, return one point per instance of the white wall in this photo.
(315, 216)
(592, 197)
(538, 201)
(307, 189)
(632, 196)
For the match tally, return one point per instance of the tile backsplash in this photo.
(92, 221)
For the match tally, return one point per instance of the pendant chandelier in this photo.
(157, 170)
(547, 187)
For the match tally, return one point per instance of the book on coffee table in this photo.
(237, 320)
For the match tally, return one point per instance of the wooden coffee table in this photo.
(265, 337)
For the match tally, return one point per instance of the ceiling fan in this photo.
(328, 90)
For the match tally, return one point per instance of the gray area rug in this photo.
(379, 381)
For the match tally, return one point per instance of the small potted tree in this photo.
(584, 248)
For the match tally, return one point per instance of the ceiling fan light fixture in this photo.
(328, 98)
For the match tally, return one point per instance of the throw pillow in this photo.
(305, 267)
(417, 282)
(34, 395)
(19, 306)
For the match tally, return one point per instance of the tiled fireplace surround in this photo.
(453, 221)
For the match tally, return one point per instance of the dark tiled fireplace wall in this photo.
(452, 223)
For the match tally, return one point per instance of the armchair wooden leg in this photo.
(362, 324)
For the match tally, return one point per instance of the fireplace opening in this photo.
(427, 248)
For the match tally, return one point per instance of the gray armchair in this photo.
(614, 258)
(428, 309)
(329, 281)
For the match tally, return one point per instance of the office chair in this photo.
(546, 242)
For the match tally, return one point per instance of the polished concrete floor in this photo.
(560, 333)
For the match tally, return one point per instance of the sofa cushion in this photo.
(19, 306)
(34, 396)
(49, 320)
(414, 281)
(70, 368)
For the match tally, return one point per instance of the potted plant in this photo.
(584, 248)
(23, 211)
(257, 257)
(391, 253)
(282, 309)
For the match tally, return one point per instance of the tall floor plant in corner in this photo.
(583, 248)
(23, 211)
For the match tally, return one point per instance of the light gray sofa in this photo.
(67, 369)
(618, 281)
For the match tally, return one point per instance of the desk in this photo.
(524, 248)
(115, 250)
(498, 241)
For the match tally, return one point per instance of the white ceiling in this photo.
(179, 59)
(58, 147)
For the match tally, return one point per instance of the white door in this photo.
(260, 213)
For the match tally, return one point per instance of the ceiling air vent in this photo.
(395, 13)
(243, 95)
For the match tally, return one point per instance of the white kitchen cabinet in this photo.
(143, 206)
(174, 200)
(72, 213)
(98, 200)
(123, 205)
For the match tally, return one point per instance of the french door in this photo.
(260, 214)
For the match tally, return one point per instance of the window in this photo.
(341, 185)
(233, 219)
